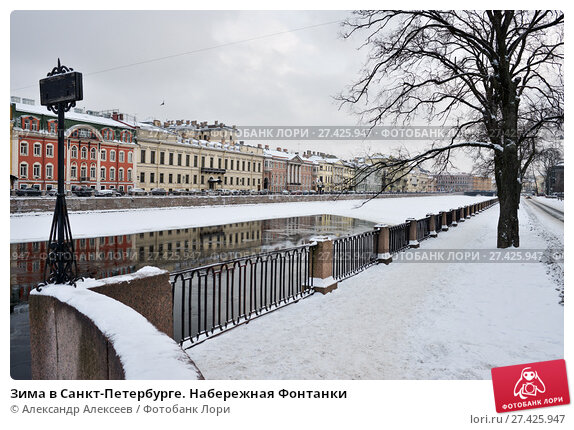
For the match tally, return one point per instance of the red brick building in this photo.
(99, 150)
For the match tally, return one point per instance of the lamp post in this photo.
(59, 92)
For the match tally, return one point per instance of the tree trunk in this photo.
(507, 168)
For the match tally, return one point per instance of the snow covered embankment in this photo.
(144, 352)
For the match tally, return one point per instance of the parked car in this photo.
(107, 193)
(264, 192)
(179, 192)
(136, 192)
(82, 191)
(28, 192)
(285, 192)
(158, 192)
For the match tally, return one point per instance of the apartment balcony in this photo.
(212, 171)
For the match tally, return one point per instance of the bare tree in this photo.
(496, 74)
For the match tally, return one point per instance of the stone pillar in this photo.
(454, 223)
(432, 225)
(322, 265)
(383, 246)
(413, 242)
(462, 214)
(444, 225)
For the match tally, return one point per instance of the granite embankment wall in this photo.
(46, 204)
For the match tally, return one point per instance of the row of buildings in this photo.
(110, 150)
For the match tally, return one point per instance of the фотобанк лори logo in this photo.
(529, 386)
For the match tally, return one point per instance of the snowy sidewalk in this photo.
(407, 320)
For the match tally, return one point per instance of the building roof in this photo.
(72, 115)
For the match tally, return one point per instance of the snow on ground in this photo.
(407, 320)
(36, 226)
(553, 203)
(145, 352)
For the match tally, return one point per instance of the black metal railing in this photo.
(352, 254)
(423, 228)
(399, 237)
(210, 299)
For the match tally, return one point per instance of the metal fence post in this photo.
(443, 220)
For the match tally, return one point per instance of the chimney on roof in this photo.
(284, 149)
(179, 122)
(278, 149)
(115, 116)
(186, 122)
(157, 122)
(166, 124)
(259, 145)
(266, 146)
(194, 123)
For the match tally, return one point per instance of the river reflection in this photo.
(101, 257)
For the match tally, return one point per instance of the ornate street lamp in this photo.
(59, 92)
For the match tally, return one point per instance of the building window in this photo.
(171, 158)
(142, 177)
(162, 158)
(112, 155)
(108, 134)
(129, 177)
(179, 159)
(103, 155)
(121, 156)
(152, 157)
(84, 153)
(103, 173)
(37, 150)
(52, 127)
(120, 174)
(142, 156)
(83, 172)
(112, 174)
(195, 161)
(126, 136)
(187, 160)
(23, 148)
(152, 177)
(74, 152)
(49, 171)
(74, 171)
(93, 171)
(130, 157)
(23, 170)
(170, 178)
(161, 178)
(93, 153)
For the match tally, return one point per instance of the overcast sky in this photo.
(245, 68)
